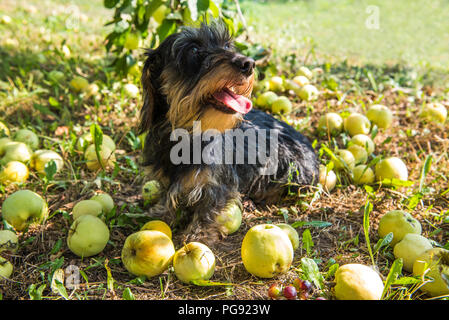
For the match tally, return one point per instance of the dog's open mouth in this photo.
(233, 101)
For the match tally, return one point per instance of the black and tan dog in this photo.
(195, 82)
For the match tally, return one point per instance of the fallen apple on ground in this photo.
(363, 141)
(276, 84)
(105, 200)
(327, 178)
(410, 248)
(308, 93)
(266, 251)
(357, 282)
(399, 223)
(359, 153)
(301, 81)
(23, 208)
(230, 218)
(147, 253)
(87, 207)
(41, 157)
(16, 151)
(345, 160)
(391, 168)
(14, 172)
(88, 236)
(3, 142)
(194, 261)
(6, 268)
(434, 263)
(291, 233)
(28, 137)
(435, 111)
(151, 192)
(8, 241)
(362, 174)
(266, 99)
(158, 225)
(356, 123)
(304, 71)
(107, 157)
(281, 105)
(331, 123)
(86, 139)
(380, 115)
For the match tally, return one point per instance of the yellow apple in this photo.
(158, 225)
(266, 99)
(435, 111)
(88, 236)
(3, 142)
(380, 115)
(328, 178)
(23, 208)
(230, 218)
(304, 71)
(194, 261)
(41, 157)
(147, 253)
(281, 105)
(266, 251)
(14, 171)
(331, 123)
(6, 268)
(391, 168)
(105, 200)
(434, 263)
(87, 207)
(362, 174)
(276, 84)
(363, 141)
(107, 157)
(28, 137)
(308, 92)
(410, 248)
(345, 160)
(291, 233)
(355, 281)
(86, 139)
(8, 241)
(301, 80)
(357, 123)
(359, 153)
(16, 151)
(399, 223)
(151, 191)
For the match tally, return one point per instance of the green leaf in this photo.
(97, 138)
(312, 272)
(110, 280)
(50, 170)
(307, 242)
(61, 289)
(36, 294)
(383, 242)
(128, 295)
(166, 28)
(367, 210)
(313, 223)
(425, 170)
(395, 271)
(110, 3)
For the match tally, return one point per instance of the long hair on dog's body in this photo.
(196, 75)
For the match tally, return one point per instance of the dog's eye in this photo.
(227, 46)
(194, 50)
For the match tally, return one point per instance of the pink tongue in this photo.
(234, 101)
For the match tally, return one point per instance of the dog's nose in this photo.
(243, 63)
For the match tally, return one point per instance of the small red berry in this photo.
(306, 285)
(290, 292)
(274, 291)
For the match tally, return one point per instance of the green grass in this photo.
(413, 33)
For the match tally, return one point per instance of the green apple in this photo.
(230, 218)
(364, 141)
(301, 81)
(41, 157)
(6, 268)
(105, 200)
(391, 168)
(107, 157)
(88, 236)
(291, 233)
(79, 84)
(357, 123)
(435, 111)
(281, 105)
(4, 131)
(16, 151)
(362, 174)
(151, 192)
(132, 41)
(380, 115)
(158, 225)
(87, 207)
(131, 90)
(8, 241)
(355, 281)
(56, 76)
(23, 208)
(410, 248)
(359, 153)
(147, 253)
(399, 223)
(14, 172)
(86, 139)
(331, 123)
(266, 99)
(276, 84)
(160, 13)
(328, 178)
(194, 261)
(28, 137)
(3, 142)
(291, 85)
(346, 160)
(304, 71)
(434, 263)
(308, 92)
(266, 251)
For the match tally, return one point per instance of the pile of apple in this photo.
(359, 149)
(19, 151)
(300, 86)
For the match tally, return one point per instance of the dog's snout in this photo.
(244, 64)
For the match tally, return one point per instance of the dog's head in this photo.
(196, 75)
